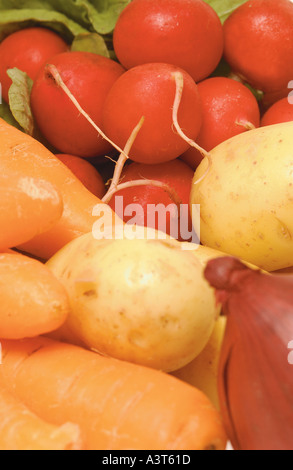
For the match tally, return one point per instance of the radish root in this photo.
(144, 182)
(124, 153)
(115, 186)
(246, 124)
(121, 162)
(179, 80)
(53, 71)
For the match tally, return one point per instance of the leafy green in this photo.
(90, 42)
(67, 17)
(14, 20)
(224, 8)
(19, 99)
(108, 13)
(18, 112)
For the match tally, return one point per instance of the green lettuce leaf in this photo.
(90, 42)
(14, 20)
(68, 17)
(18, 112)
(108, 11)
(224, 8)
(19, 99)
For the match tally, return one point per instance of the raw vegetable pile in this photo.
(146, 242)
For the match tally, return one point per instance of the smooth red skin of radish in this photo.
(177, 174)
(271, 98)
(259, 43)
(225, 102)
(186, 33)
(89, 78)
(86, 173)
(28, 50)
(149, 91)
(281, 111)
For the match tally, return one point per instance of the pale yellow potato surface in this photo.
(246, 198)
(203, 371)
(144, 301)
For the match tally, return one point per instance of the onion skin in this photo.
(255, 376)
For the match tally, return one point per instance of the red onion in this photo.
(256, 374)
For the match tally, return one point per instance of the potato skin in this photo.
(202, 372)
(246, 199)
(143, 301)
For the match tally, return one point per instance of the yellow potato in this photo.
(204, 253)
(246, 198)
(144, 301)
(202, 372)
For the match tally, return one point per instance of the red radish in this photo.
(28, 50)
(281, 111)
(229, 108)
(186, 33)
(149, 91)
(176, 174)
(259, 43)
(85, 172)
(89, 77)
(269, 99)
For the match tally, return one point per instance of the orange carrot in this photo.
(20, 429)
(33, 301)
(118, 405)
(28, 207)
(22, 155)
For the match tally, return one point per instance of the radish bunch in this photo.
(180, 82)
